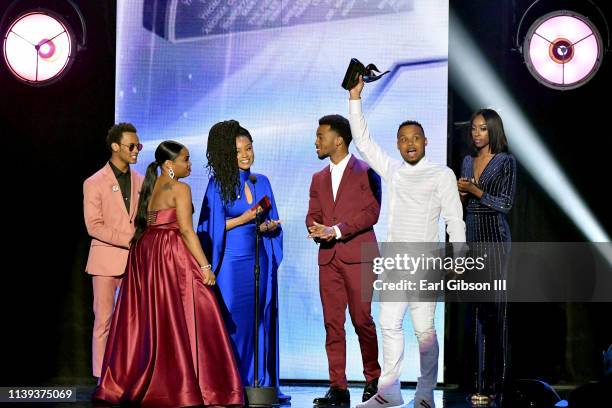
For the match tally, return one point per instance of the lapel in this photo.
(345, 178)
(113, 187)
(327, 193)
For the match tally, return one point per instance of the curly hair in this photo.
(221, 155)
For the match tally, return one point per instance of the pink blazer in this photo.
(108, 223)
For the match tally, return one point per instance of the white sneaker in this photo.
(421, 403)
(382, 401)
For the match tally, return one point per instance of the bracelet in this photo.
(205, 267)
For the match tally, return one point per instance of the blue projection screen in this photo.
(276, 67)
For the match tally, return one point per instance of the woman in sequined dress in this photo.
(487, 187)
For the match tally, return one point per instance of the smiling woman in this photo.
(244, 150)
(227, 230)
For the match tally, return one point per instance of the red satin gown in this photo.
(167, 345)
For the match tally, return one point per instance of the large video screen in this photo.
(276, 67)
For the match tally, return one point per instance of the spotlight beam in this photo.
(480, 86)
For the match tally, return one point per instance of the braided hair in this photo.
(221, 155)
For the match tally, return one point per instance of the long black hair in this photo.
(168, 150)
(497, 137)
(221, 156)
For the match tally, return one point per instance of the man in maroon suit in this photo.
(344, 206)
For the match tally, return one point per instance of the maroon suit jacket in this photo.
(355, 211)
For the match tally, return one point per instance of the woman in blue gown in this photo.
(487, 186)
(227, 231)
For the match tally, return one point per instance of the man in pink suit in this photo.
(110, 201)
(344, 206)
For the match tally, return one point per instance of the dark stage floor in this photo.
(302, 396)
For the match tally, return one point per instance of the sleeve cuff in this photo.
(338, 233)
(484, 200)
(354, 106)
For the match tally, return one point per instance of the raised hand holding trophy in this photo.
(356, 68)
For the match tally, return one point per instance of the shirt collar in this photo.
(341, 165)
(117, 172)
(423, 162)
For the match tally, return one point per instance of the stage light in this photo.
(563, 49)
(480, 86)
(39, 45)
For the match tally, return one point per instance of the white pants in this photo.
(391, 316)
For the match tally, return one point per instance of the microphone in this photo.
(258, 395)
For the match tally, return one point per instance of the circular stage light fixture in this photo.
(563, 49)
(38, 47)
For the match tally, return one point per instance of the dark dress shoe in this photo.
(335, 397)
(370, 389)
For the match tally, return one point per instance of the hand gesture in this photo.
(248, 216)
(269, 225)
(321, 231)
(465, 186)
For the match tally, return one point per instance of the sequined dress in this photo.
(487, 222)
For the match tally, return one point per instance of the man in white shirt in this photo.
(420, 192)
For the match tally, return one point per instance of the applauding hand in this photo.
(321, 231)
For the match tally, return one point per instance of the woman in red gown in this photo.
(167, 345)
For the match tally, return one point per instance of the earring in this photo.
(171, 173)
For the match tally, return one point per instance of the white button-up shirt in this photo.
(337, 170)
(419, 194)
